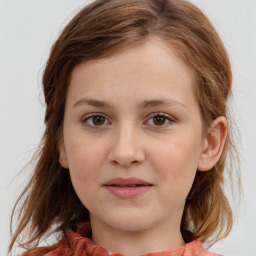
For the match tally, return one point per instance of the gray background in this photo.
(27, 30)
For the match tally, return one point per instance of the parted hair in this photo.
(102, 29)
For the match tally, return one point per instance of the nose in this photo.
(126, 147)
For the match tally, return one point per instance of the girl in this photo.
(136, 140)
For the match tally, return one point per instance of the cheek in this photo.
(176, 161)
(85, 158)
(85, 167)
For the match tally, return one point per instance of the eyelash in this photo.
(91, 116)
(167, 118)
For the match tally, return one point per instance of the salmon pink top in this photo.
(77, 243)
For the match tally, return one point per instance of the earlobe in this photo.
(62, 155)
(213, 144)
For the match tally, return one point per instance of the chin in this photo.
(131, 223)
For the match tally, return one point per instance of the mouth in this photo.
(127, 188)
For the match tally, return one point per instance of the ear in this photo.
(213, 144)
(62, 154)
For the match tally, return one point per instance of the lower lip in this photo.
(128, 192)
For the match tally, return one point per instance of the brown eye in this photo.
(159, 120)
(95, 121)
(98, 120)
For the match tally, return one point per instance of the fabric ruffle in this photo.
(78, 243)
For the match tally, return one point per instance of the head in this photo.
(108, 28)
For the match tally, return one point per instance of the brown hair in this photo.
(102, 29)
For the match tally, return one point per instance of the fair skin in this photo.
(133, 141)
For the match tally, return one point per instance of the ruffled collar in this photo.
(77, 243)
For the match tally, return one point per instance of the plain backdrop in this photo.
(27, 30)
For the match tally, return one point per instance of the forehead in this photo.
(152, 53)
(152, 67)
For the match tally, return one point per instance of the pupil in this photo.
(98, 120)
(159, 120)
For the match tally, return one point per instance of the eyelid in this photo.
(170, 119)
(93, 114)
(88, 116)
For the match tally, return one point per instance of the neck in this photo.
(132, 243)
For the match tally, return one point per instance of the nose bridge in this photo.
(126, 147)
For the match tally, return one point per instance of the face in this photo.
(132, 137)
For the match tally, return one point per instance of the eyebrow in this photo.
(160, 102)
(142, 105)
(92, 102)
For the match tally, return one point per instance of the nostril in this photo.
(126, 154)
(125, 163)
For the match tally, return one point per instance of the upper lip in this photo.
(127, 182)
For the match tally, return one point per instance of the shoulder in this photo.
(195, 248)
(72, 243)
(59, 249)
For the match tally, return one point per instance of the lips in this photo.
(126, 188)
(128, 182)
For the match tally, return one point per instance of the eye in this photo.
(160, 119)
(95, 120)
